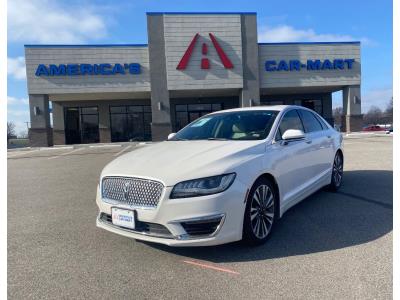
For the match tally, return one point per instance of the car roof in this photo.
(263, 107)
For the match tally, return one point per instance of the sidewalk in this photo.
(77, 146)
(362, 134)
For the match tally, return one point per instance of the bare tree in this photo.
(389, 112)
(10, 130)
(23, 134)
(389, 107)
(337, 114)
(373, 116)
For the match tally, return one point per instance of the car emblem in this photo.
(126, 190)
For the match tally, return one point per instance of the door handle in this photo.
(308, 141)
(328, 136)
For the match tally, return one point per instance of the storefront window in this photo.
(199, 107)
(273, 102)
(81, 125)
(117, 109)
(315, 105)
(187, 113)
(118, 127)
(90, 128)
(130, 123)
(89, 110)
(216, 107)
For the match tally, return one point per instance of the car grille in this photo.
(131, 191)
(151, 229)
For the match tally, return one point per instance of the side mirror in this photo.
(171, 135)
(293, 134)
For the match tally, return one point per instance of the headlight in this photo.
(203, 186)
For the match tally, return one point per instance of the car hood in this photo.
(173, 161)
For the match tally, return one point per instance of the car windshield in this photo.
(238, 125)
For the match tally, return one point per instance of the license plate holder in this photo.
(123, 217)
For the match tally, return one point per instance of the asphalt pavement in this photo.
(330, 246)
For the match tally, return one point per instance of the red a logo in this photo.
(205, 63)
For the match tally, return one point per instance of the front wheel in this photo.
(337, 173)
(260, 213)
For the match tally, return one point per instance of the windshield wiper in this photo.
(217, 139)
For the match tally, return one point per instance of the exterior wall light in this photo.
(36, 110)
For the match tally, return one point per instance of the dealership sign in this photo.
(87, 69)
(205, 63)
(309, 65)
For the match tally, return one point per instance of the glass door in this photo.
(81, 125)
(72, 126)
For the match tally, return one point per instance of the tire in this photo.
(260, 216)
(337, 173)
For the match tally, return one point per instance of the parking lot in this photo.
(330, 246)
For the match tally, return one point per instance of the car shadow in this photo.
(360, 212)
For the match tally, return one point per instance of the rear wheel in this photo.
(337, 172)
(260, 213)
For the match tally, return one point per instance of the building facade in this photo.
(193, 64)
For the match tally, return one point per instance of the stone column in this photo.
(160, 105)
(40, 133)
(250, 94)
(104, 122)
(58, 123)
(353, 119)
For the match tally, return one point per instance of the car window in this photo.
(310, 122)
(324, 126)
(290, 120)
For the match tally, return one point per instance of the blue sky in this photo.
(92, 22)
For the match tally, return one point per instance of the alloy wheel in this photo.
(337, 170)
(262, 211)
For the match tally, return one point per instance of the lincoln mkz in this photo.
(227, 176)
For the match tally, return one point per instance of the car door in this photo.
(328, 143)
(292, 161)
(321, 145)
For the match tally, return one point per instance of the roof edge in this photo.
(311, 43)
(82, 45)
(200, 13)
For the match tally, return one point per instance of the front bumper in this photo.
(179, 222)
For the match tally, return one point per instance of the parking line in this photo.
(211, 267)
(55, 148)
(66, 153)
(104, 146)
(123, 150)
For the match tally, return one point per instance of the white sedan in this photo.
(227, 176)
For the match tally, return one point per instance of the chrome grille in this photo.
(131, 191)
